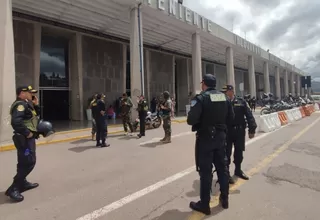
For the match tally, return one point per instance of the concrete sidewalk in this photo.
(72, 135)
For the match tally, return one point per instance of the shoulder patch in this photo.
(20, 108)
(193, 103)
(218, 97)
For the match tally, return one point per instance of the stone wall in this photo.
(102, 68)
(24, 55)
(161, 73)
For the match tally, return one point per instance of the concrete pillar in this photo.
(252, 77)
(148, 74)
(135, 50)
(36, 54)
(266, 77)
(75, 57)
(277, 79)
(230, 68)
(292, 84)
(7, 69)
(124, 67)
(196, 63)
(298, 83)
(286, 83)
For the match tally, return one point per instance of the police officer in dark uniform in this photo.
(237, 131)
(24, 121)
(142, 111)
(100, 118)
(209, 114)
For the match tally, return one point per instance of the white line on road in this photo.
(130, 198)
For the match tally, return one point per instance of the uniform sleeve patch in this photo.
(193, 103)
(20, 108)
(218, 97)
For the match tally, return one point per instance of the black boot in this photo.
(239, 173)
(104, 144)
(224, 201)
(27, 186)
(14, 194)
(98, 144)
(199, 207)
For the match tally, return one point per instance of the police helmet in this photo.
(166, 95)
(45, 128)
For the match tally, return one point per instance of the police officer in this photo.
(24, 120)
(100, 118)
(166, 108)
(209, 114)
(142, 111)
(237, 131)
(93, 106)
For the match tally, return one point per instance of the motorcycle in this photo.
(153, 120)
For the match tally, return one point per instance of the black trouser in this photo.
(142, 119)
(236, 136)
(26, 153)
(212, 151)
(101, 129)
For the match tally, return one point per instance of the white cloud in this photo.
(289, 28)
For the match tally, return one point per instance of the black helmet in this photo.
(45, 128)
(166, 95)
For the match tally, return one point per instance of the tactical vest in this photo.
(166, 112)
(214, 109)
(31, 123)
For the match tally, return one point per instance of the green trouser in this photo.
(126, 120)
(167, 125)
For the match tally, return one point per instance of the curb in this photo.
(11, 147)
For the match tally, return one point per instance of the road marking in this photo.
(215, 201)
(130, 198)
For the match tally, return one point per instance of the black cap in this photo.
(25, 89)
(227, 88)
(209, 80)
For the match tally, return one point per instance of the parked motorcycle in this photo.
(153, 120)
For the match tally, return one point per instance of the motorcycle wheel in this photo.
(264, 111)
(157, 122)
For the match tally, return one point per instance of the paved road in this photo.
(143, 180)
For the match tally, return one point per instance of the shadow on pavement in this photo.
(153, 144)
(173, 215)
(4, 199)
(81, 149)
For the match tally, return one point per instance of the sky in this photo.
(290, 29)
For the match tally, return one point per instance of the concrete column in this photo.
(266, 77)
(286, 83)
(124, 67)
(252, 77)
(135, 50)
(148, 74)
(292, 84)
(230, 68)
(277, 79)
(196, 63)
(75, 57)
(298, 83)
(36, 54)
(7, 70)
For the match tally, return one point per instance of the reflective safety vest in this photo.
(31, 123)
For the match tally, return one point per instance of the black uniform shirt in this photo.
(243, 115)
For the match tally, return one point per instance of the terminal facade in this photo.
(69, 50)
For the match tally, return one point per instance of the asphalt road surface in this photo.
(140, 179)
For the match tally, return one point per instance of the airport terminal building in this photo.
(70, 49)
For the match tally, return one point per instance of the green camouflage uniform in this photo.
(166, 116)
(126, 113)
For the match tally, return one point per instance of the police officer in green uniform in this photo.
(24, 121)
(126, 105)
(93, 107)
(166, 108)
(142, 111)
(209, 115)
